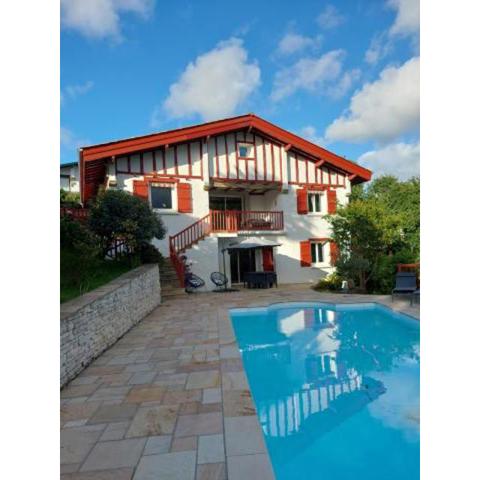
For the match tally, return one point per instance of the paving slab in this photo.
(167, 466)
(155, 420)
(114, 454)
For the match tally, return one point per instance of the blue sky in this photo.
(343, 74)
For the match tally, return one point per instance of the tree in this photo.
(79, 251)
(377, 229)
(119, 214)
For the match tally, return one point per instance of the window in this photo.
(316, 249)
(315, 202)
(245, 150)
(161, 196)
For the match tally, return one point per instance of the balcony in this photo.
(245, 221)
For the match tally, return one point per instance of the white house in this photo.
(69, 179)
(218, 183)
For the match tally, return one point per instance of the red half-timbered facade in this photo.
(218, 182)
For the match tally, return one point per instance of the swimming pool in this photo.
(336, 389)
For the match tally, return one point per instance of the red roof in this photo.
(154, 140)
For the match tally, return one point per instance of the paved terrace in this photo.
(170, 400)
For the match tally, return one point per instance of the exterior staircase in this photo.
(169, 282)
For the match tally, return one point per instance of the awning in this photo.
(250, 243)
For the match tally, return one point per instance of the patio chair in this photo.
(193, 282)
(219, 280)
(405, 283)
(415, 296)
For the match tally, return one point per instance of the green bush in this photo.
(79, 251)
(383, 276)
(69, 199)
(150, 254)
(120, 214)
(332, 282)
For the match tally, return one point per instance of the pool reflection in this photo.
(316, 390)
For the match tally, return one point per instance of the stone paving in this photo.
(170, 400)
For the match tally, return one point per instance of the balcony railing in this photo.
(245, 220)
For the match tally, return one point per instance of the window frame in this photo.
(172, 187)
(316, 245)
(248, 145)
(321, 197)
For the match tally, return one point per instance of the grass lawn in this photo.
(103, 273)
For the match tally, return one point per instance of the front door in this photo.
(241, 261)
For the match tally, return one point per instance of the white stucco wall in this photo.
(71, 184)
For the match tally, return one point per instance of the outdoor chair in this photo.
(405, 283)
(415, 296)
(219, 280)
(193, 282)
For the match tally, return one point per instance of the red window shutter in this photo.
(140, 189)
(333, 253)
(305, 254)
(267, 259)
(184, 192)
(332, 201)
(302, 204)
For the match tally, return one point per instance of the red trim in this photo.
(306, 170)
(264, 160)
(195, 177)
(297, 178)
(82, 177)
(226, 155)
(175, 159)
(189, 155)
(201, 158)
(273, 161)
(255, 155)
(281, 163)
(216, 157)
(164, 160)
(148, 142)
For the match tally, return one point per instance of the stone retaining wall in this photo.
(93, 322)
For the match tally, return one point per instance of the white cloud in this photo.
(399, 159)
(380, 47)
(74, 91)
(294, 42)
(310, 133)
(344, 84)
(318, 75)
(384, 109)
(407, 21)
(406, 24)
(330, 17)
(215, 84)
(101, 18)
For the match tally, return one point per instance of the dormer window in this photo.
(246, 150)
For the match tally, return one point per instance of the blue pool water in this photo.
(336, 389)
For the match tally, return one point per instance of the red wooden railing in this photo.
(220, 221)
(77, 213)
(243, 220)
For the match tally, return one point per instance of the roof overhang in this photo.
(250, 122)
